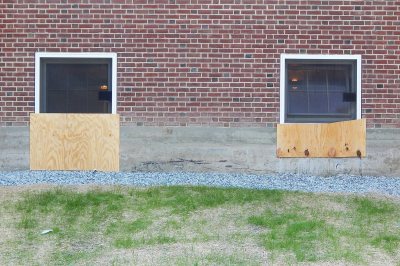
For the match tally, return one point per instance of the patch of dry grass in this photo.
(195, 226)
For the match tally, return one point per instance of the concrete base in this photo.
(14, 148)
(250, 150)
(204, 149)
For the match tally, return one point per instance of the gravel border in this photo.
(297, 182)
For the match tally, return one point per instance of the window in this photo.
(320, 88)
(75, 83)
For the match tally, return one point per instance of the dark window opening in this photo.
(320, 90)
(75, 85)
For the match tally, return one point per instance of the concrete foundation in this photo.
(14, 148)
(202, 149)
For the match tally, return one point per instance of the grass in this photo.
(196, 226)
(295, 233)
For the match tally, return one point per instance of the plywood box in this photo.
(340, 139)
(74, 142)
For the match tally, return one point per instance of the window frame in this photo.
(54, 55)
(315, 58)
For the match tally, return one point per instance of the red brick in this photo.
(210, 59)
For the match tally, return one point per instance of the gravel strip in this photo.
(342, 183)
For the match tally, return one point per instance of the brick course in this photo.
(201, 62)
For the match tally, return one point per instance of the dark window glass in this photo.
(320, 91)
(75, 85)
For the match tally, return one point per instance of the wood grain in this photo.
(46, 141)
(83, 142)
(340, 139)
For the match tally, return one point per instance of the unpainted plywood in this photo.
(81, 142)
(92, 142)
(46, 140)
(340, 139)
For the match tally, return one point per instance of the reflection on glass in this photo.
(74, 88)
(319, 90)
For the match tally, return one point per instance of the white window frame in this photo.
(112, 56)
(283, 73)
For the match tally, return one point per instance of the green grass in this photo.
(69, 257)
(295, 233)
(27, 222)
(183, 200)
(290, 227)
(390, 243)
(369, 207)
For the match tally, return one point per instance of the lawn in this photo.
(195, 226)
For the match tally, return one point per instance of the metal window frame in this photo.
(49, 55)
(315, 58)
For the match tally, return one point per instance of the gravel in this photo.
(298, 182)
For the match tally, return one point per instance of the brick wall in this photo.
(201, 62)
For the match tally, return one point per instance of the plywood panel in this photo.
(46, 141)
(92, 142)
(76, 141)
(350, 138)
(340, 139)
